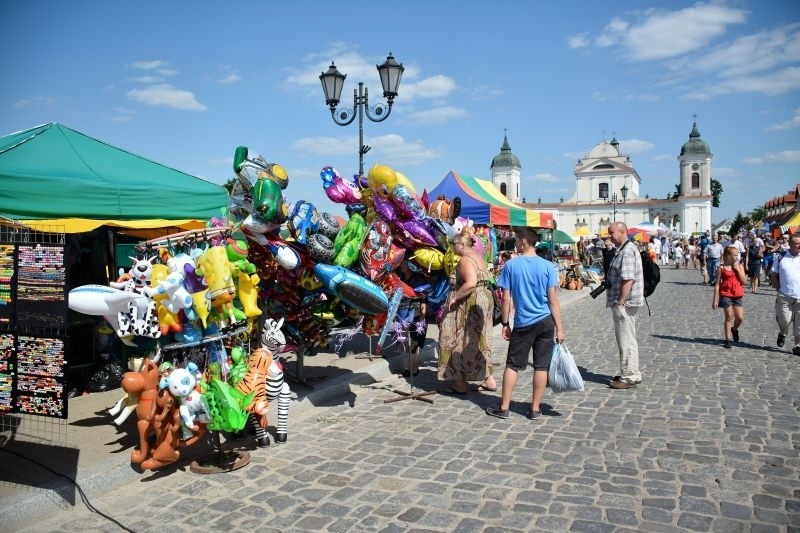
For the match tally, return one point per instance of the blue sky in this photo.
(185, 83)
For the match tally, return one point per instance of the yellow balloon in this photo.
(382, 179)
(451, 261)
(403, 180)
(429, 258)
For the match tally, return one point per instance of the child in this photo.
(728, 293)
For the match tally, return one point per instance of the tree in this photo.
(229, 185)
(757, 215)
(677, 191)
(738, 223)
(716, 192)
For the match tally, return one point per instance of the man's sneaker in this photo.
(497, 411)
(619, 378)
(735, 333)
(781, 340)
(727, 344)
(796, 350)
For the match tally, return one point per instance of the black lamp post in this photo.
(332, 83)
(614, 200)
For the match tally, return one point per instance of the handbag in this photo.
(563, 373)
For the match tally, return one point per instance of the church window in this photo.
(602, 190)
(517, 190)
(503, 188)
(695, 180)
(602, 166)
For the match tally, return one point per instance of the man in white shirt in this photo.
(737, 242)
(785, 277)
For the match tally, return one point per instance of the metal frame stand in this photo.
(410, 395)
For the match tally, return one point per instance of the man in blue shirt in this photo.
(529, 286)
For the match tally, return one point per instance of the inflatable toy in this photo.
(376, 251)
(445, 209)
(268, 201)
(192, 408)
(354, 290)
(168, 322)
(382, 180)
(284, 255)
(407, 203)
(108, 302)
(320, 248)
(303, 220)
(385, 209)
(328, 225)
(394, 304)
(256, 229)
(347, 245)
(339, 189)
(254, 382)
(215, 268)
(264, 170)
(429, 258)
(176, 297)
(402, 180)
(418, 230)
(273, 340)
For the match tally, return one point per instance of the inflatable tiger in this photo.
(255, 380)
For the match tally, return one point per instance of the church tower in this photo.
(695, 165)
(506, 172)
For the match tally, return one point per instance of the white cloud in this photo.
(663, 157)
(724, 172)
(432, 87)
(123, 114)
(635, 146)
(161, 67)
(482, 92)
(229, 78)
(784, 156)
(793, 122)
(36, 101)
(663, 34)
(436, 115)
(399, 152)
(166, 95)
(580, 40)
(147, 79)
(326, 146)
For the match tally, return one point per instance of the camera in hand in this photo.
(600, 289)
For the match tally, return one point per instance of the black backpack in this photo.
(651, 274)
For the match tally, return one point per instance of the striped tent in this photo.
(483, 203)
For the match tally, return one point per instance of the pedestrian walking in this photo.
(753, 260)
(625, 296)
(728, 293)
(529, 282)
(785, 277)
(713, 253)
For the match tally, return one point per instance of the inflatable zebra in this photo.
(273, 340)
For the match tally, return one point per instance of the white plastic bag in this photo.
(564, 375)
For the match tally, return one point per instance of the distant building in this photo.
(606, 181)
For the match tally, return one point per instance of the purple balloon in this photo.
(407, 203)
(418, 230)
(191, 280)
(385, 208)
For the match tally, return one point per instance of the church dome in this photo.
(695, 145)
(505, 158)
(604, 149)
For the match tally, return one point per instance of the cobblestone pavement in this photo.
(709, 442)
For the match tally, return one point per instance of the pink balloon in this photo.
(407, 203)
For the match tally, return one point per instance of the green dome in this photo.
(695, 145)
(505, 158)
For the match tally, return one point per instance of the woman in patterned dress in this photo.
(465, 332)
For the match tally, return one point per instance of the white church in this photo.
(608, 188)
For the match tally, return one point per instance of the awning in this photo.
(80, 225)
(483, 203)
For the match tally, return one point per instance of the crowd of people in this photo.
(530, 312)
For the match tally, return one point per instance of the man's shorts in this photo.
(540, 336)
(727, 301)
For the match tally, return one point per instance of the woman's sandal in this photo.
(483, 387)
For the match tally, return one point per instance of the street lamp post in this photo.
(614, 200)
(332, 83)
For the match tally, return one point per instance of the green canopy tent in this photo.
(55, 176)
(560, 237)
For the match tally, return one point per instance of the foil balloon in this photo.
(284, 255)
(328, 225)
(429, 258)
(338, 189)
(268, 201)
(357, 208)
(256, 229)
(442, 232)
(347, 245)
(382, 180)
(354, 290)
(303, 220)
(378, 255)
(407, 203)
(445, 209)
(392, 282)
(451, 261)
(418, 230)
(385, 208)
(320, 248)
(404, 181)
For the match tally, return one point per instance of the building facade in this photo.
(608, 188)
